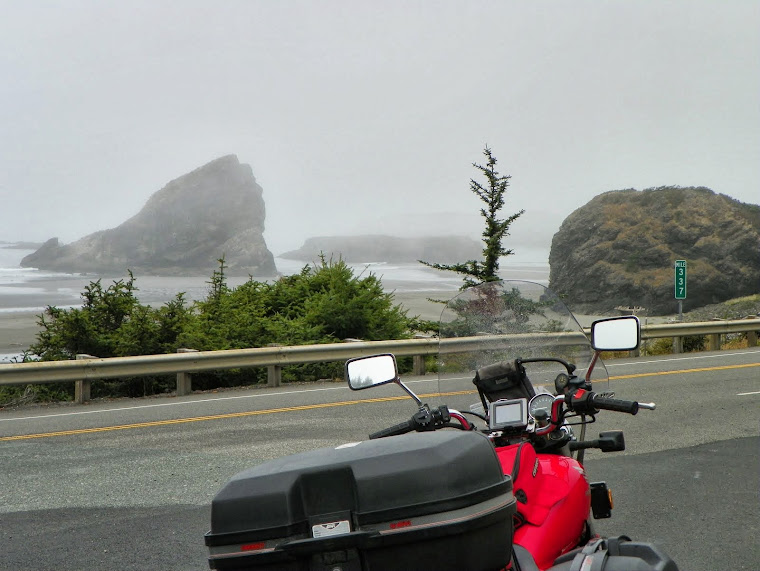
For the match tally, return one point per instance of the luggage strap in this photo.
(595, 553)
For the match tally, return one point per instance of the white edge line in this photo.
(187, 402)
(691, 357)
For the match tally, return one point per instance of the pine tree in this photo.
(492, 194)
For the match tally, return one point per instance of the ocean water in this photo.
(31, 290)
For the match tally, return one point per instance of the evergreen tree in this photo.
(492, 194)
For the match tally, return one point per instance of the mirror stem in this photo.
(408, 391)
(592, 365)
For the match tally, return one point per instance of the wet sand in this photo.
(18, 330)
(418, 303)
(21, 301)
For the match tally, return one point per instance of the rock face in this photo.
(183, 229)
(374, 248)
(620, 248)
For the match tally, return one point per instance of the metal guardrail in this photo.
(87, 368)
(700, 328)
(713, 329)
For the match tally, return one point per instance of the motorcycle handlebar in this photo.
(401, 428)
(423, 420)
(616, 405)
(588, 402)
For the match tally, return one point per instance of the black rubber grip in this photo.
(617, 405)
(401, 428)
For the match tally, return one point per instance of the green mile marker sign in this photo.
(680, 279)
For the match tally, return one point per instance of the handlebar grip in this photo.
(616, 405)
(401, 428)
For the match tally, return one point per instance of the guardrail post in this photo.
(82, 388)
(274, 372)
(714, 342)
(418, 361)
(418, 365)
(144, 365)
(184, 380)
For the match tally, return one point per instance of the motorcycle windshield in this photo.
(503, 321)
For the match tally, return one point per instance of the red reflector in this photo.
(253, 546)
(400, 524)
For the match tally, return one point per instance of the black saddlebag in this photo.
(615, 554)
(434, 500)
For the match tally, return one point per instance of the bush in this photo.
(20, 395)
(324, 303)
(110, 323)
(664, 345)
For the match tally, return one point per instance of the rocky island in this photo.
(619, 250)
(375, 248)
(184, 228)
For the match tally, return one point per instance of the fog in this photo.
(366, 117)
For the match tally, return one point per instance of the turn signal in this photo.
(601, 500)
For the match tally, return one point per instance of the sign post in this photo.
(680, 285)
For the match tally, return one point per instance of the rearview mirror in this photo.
(365, 372)
(616, 333)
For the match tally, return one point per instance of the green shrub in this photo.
(325, 303)
(19, 395)
(664, 345)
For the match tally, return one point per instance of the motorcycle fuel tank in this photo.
(553, 500)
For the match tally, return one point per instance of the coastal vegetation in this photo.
(324, 303)
(492, 194)
(618, 250)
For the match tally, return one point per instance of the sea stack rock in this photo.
(184, 228)
(619, 250)
(374, 248)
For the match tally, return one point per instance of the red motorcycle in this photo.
(506, 491)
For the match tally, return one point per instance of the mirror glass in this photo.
(365, 372)
(616, 333)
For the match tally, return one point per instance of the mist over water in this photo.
(31, 290)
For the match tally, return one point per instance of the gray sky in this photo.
(361, 116)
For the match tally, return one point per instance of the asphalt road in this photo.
(127, 484)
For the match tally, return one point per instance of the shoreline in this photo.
(19, 329)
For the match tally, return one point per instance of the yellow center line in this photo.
(319, 406)
(685, 371)
(217, 417)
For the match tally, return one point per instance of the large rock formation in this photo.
(374, 248)
(619, 250)
(183, 229)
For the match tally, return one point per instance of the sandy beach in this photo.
(18, 330)
(24, 293)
